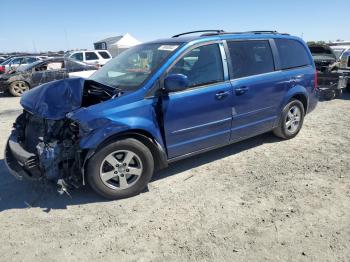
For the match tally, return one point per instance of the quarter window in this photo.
(250, 58)
(292, 53)
(91, 56)
(202, 66)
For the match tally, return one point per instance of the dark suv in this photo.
(160, 102)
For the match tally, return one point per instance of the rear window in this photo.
(292, 53)
(250, 58)
(320, 50)
(104, 55)
(91, 56)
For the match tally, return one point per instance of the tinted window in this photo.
(292, 53)
(77, 56)
(104, 55)
(320, 50)
(250, 58)
(202, 65)
(91, 56)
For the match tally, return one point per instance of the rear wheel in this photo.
(120, 169)
(291, 120)
(17, 88)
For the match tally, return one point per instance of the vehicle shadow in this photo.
(213, 155)
(21, 194)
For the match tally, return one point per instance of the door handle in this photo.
(222, 94)
(241, 90)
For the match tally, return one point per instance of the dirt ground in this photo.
(259, 200)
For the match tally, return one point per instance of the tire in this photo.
(286, 129)
(17, 88)
(120, 169)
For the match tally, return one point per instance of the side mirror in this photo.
(175, 82)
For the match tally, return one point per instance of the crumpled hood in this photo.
(55, 99)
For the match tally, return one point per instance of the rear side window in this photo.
(202, 66)
(91, 56)
(292, 53)
(104, 55)
(250, 58)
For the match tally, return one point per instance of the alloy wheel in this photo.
(121, 169)
(292, 122)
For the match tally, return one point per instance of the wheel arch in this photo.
(158, 152)
(302, 98)
(297, 92)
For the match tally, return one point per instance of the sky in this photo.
(38, 25)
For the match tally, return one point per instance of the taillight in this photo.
(2, 68)
(316, 79)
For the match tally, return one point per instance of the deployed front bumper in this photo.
(20, 162)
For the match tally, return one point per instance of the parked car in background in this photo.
(344, 69)
(14, 62)
(95, 57)
(323, 56)
(32, 75)
(160, 102)
(339, 51)
(330, 80)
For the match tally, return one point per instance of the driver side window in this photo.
(202, 66)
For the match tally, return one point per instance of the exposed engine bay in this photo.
(46, 141)
(55, 144)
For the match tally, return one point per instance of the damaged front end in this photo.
(44, 143)
(39, 148)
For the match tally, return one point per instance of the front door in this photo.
(199, 117)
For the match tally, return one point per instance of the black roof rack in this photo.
(222, 32)
(247, 32)
(199, 31)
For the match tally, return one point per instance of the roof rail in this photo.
(247, 32)
(199, 31)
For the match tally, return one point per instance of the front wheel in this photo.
(120, 169)
(291, 120)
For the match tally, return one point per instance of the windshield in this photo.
(131, 68)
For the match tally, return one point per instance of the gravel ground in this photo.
(259, 200)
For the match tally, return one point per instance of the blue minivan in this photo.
(160, 102)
